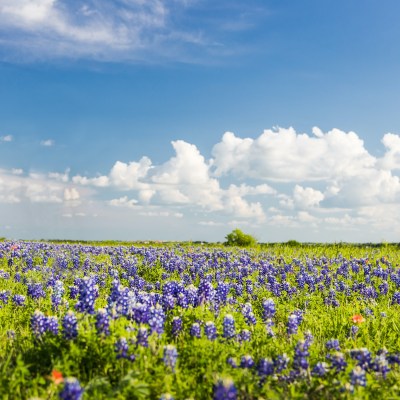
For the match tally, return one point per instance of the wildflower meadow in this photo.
(184, 321)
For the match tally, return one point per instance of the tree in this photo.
(238, 238)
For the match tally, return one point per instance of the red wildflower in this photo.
(56, 376)
(357, 318)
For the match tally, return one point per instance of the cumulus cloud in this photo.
(283, 155)
(307, 197)
(391, 159)
(274, 179)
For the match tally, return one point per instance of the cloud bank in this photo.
(321, 182)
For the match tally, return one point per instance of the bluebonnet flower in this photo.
(269, 309)
(383, 314)
(332, 344)
(245, 335)
(232, 362)
(247, 311)
(206, 291)
(182, 300)
(122, 348)
(281, 362)
(88, 293)
(396, 298)
(18, 300)
(72, 390)
(358, 377)
(166, 396)
(265, 367)
(195, 330)
(4, 296)
(35, 290)
(38, 324)
(177, 326)
(52, 325)
(293, 324)
(301, 354)
(354, 330)
(210, 330)
(170, 356)
(58, 291)
(380, 364)
(269, 323)
(222, 291)
(156, 319)
(73, 291)
(191, 295)
(228, 327)
(143, 337)
(363, 357)
(246, 361)
(70, 326)
(320, 369)
(168, 302)
(337, 361)
(102, 322)
(225, 389)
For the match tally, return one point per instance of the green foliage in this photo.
(239, 238)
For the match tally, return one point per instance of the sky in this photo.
(186, 119)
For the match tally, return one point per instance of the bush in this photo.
(238, 238)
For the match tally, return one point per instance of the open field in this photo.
(189, 321)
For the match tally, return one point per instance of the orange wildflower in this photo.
(357, 318)
(56, 376)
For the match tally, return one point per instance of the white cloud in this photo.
(71, 194)
(7, 138)
(306, 197)
(161, 214)
(47, 143)
(123, 202)
(100, 181)
(17, 171)
(283, 155)
(391, 159)
(127, 176)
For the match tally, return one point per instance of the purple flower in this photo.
(88, 293)
(225, 389)
(195, 330)
(247, 361)
(358, 377)
(293, 324)
(269, 309)
(70, 326)
(332, 344)
(72, 390)
(18, 300)
(143, 337)
(265, 367)
(122, 348)
(156, 319)
(337, 361)
(170, 356)
(102, 322)
(320, 369)
(228, 327)
(210, 330)
(52, 325)
(38, 324)
(177, 326)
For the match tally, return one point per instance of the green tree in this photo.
(239, 238)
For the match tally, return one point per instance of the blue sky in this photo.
(183, 119)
